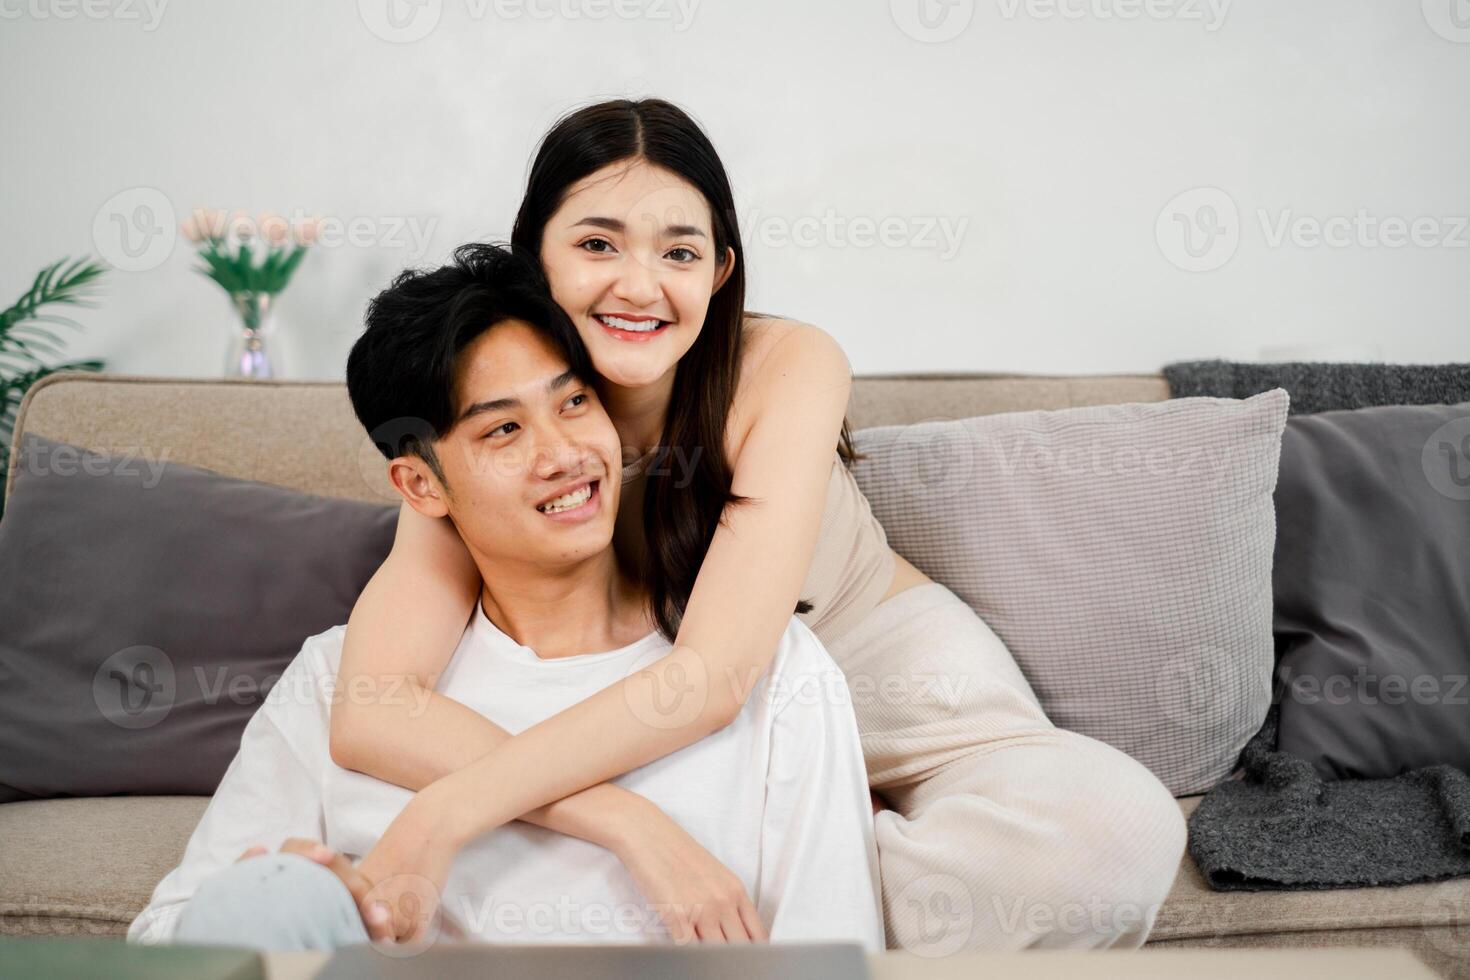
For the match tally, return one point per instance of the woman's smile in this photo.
(631, 328)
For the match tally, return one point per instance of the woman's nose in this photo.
(637, 284)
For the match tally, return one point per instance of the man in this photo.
(475, 374)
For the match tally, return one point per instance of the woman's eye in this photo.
(586, 246)
(692, 256)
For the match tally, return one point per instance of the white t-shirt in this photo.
(779, 796)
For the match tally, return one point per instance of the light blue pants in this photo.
(277, 902)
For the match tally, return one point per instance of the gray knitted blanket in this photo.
(1324, 387)
(1282, 826)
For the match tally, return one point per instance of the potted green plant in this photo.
(27, 348)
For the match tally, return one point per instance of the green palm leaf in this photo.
(25, 348)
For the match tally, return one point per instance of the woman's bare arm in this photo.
(405, 625)
(401, 730)
(742, 602)
(389, 722)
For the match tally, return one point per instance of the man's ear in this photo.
(722, 273)
(412, 478)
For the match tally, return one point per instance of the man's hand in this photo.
(378, 926)
(405, 873)
(696, 896)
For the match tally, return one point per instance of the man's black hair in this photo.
(400, 374)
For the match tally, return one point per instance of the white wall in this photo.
(1054, 135)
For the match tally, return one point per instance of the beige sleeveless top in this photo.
(851, 568)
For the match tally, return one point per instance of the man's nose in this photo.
(556, 455)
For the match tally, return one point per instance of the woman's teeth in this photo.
(637, 326)
(567, 501)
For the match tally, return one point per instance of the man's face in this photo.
(533, 462)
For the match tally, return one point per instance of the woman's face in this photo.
(630, 255)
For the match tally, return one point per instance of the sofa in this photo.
(86, 866)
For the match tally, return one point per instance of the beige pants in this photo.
(1009, 832)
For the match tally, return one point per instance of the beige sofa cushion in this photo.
(303, 435)
(904, 399)
(297, 434)
(88, 867)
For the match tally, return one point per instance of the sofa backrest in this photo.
(304, 435)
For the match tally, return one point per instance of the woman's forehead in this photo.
(632, 190)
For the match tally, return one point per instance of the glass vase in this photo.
(250, 353)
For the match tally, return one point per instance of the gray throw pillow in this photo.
(145, 609)
(1122, 552)
(1372, 585)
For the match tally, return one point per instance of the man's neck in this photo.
(588, 607)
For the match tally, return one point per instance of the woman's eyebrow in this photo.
(613, 224)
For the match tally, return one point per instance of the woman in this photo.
(1004, 822)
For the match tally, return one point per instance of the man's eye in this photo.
(500, 428)
(574, 402)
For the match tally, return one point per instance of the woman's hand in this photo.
(405, 873)
(696, 896)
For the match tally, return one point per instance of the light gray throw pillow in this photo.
(1122, 552)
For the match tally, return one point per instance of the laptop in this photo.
(664, 961)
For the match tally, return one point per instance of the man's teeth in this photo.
(637, 326)
(567, 501)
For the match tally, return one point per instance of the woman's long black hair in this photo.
(679, 521)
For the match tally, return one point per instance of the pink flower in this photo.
(242, 226)
(204, 223)
(274, 228)
(307, 231)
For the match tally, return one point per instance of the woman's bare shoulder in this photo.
(780, 356)
(774, 345)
